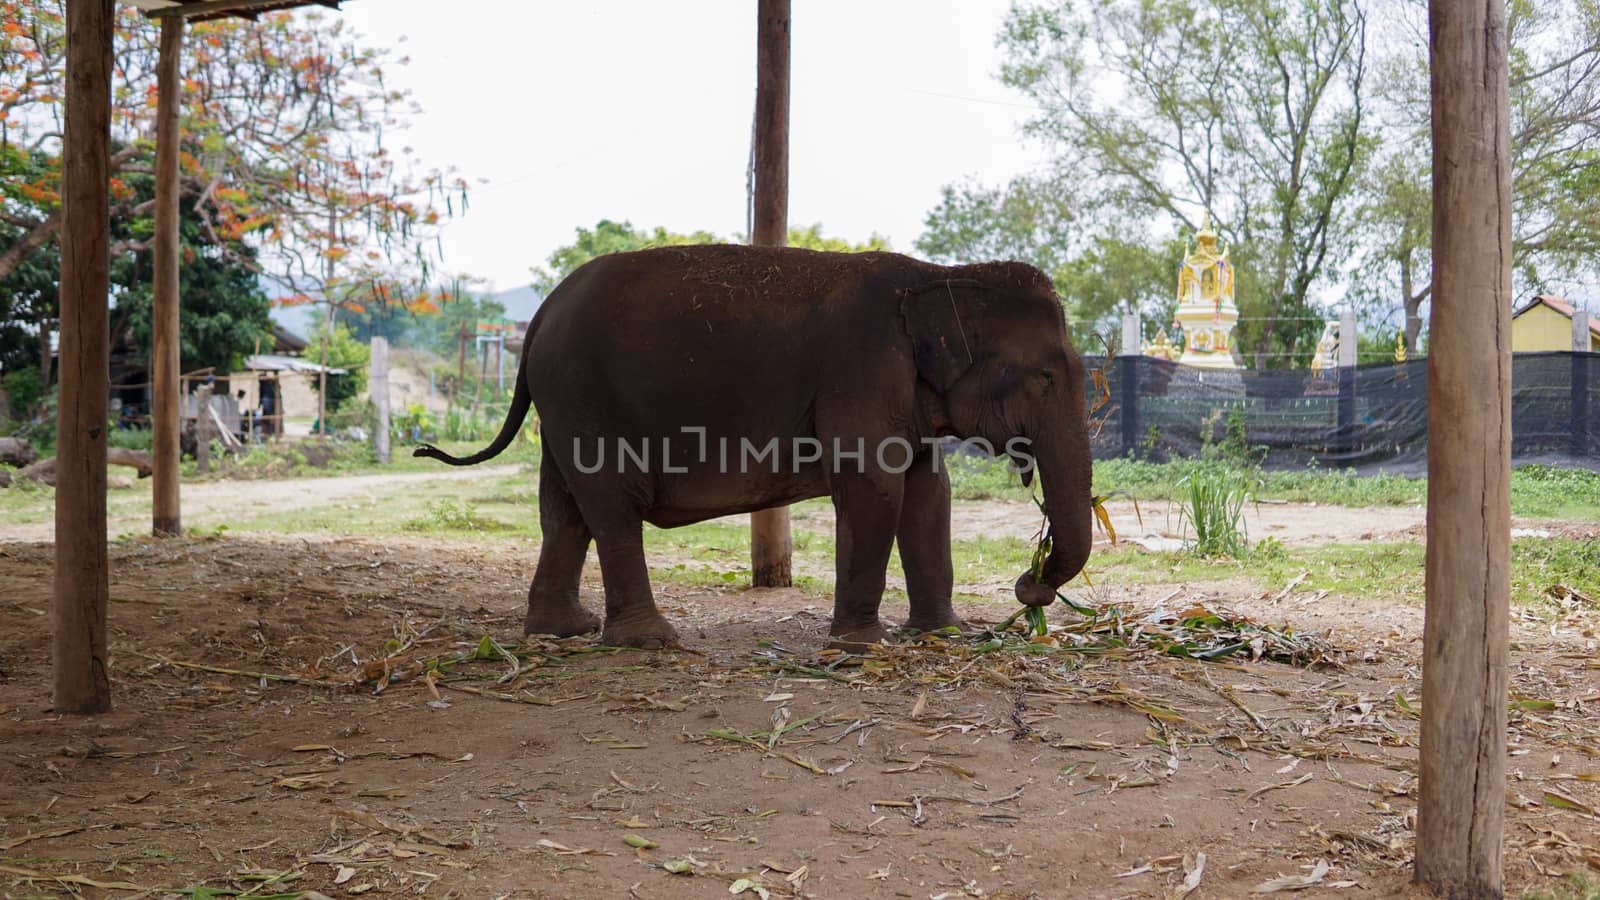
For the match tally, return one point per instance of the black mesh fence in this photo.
(1367, 417)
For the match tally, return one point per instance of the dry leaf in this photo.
(1194, 868)
(1293, 882)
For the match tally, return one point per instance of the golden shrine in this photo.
(1206, 311)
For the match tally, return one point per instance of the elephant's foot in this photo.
(934, 621)
(650, 631)
(855, 637)
(560, 621)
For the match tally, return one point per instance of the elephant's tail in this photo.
(521, 399)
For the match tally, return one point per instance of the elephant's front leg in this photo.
(553, 606)
(924, 537)
(867, 509)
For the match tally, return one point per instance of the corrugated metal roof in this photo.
(272, 362)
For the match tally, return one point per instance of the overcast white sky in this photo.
(574, 112)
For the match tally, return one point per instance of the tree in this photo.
(28, 301)
(812, 238)
(1555, 170)
(1035, 219)
(1160, 111)
(342, 351)
(609, 236)
(1032, 220)
(225, 313)
(281, 118)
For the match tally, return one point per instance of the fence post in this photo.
(378, 390)
(1348, 359)
(1128, 356)
(1580, 382)
(202, 429)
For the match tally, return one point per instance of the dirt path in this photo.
(207, 504)
(937, 772)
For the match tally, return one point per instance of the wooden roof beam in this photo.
(208, 9)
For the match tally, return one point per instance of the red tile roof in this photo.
(1561, 305)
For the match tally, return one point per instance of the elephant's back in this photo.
(697, 335)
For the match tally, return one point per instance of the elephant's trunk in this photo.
(1065, 468)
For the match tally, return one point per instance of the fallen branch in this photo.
(258, 676)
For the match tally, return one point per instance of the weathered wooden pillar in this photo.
(166, 395)
(82, 683)
(378, 390)
(1461, 798)
(771, 545)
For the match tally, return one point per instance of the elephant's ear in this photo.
(941, 318)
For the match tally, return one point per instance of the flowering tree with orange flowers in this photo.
(283, 123)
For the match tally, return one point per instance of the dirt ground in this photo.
(250, 748)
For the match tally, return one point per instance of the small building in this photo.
(1545, 324)
(279, 385)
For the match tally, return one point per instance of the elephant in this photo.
(679, 384)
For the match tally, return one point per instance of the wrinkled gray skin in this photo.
(761, 343)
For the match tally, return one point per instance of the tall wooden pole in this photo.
(1461, 791)
(81, 589)
(166, 396)
(771, 545)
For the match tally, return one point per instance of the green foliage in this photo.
(1339, 487)
(982, 478)
(609, 236)
(1034, 220)
(415, 418)
(27, 295)
(24, 391)
(812, 238)
(441, 333)
(1159, 111)
(1211, 503)
(1550, 567)
(1554, 492)
(454, 515)
(224, 314)
(464, 424)
(344, 352)
(129, 438)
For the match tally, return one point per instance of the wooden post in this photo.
(1578, 394)
(1129, 357)
(1348, 442)
(166, 396)
(378, 390)
(82, 683)
(483, 372)
(461, 368)
(1462, 784)
(771, 544)
(202, 429)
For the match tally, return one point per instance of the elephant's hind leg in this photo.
(924, 538)
(632, 619)
(553, 606)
